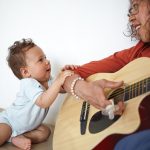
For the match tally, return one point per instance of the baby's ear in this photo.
(24, 72)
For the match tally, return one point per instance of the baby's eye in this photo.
(41, 59)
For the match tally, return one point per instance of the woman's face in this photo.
(140, 19)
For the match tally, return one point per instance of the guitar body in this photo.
(136, 116)
(144, 115)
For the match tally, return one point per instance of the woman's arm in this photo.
(93, 92)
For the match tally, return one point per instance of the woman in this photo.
(139, 18)
(139, 21)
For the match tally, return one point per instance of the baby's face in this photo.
(38, 66)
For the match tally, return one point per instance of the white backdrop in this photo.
(69, 31)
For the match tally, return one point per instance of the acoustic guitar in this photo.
(101, 132)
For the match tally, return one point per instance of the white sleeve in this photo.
(32, 88)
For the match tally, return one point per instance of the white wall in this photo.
(69, 31)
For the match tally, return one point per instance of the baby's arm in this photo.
(48, 96)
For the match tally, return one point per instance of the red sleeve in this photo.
(110, 64)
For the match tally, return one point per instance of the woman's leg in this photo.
(136, 141)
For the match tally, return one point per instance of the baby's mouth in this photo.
(48, 70)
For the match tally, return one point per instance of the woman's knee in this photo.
(135, 141)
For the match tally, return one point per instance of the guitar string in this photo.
(124, 91)
(135, 86)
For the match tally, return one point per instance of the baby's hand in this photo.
(70, 67)
(62, 76)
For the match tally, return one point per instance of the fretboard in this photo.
(137, 89)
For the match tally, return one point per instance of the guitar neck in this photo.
(132, 91)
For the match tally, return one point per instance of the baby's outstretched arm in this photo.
(48, 96)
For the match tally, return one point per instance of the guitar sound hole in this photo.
(100, 122)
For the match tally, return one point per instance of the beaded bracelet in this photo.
(73, 85)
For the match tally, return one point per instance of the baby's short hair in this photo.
(16, 55)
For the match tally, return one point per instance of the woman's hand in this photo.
(93, 92)
(69, 67)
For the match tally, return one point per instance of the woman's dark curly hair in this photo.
(132, 31)
(16, 55)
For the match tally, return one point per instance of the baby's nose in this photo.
(47, 61)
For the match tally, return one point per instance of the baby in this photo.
(21, 123)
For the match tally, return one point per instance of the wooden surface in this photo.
(67, 129)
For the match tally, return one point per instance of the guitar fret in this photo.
(130, 91)
(142, 83)
(137, 89)
(133, 90)
(126, 94)
(144, 86)
(148, 85)
(140, 88)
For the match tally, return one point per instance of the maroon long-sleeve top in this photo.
(116, 61)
